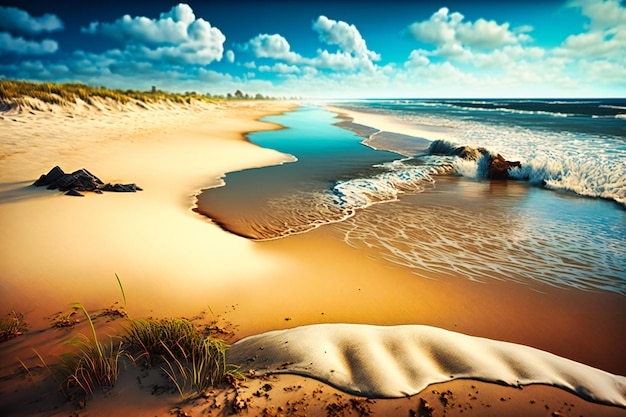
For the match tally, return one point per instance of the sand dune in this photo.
(397, 361)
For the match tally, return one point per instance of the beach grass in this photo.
(191, 360)
(68, 93)
(89, 364)
(12, 325)
(15, 92)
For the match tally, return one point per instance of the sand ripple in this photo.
(390, 362)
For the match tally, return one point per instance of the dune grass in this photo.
(15, 91)
(89, 364)
(192, 359)
(12, 325)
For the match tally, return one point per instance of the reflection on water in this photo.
(258, 203)
(432, 224)
(484, 230)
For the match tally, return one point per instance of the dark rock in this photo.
(81, 180)
(50, 178)
(498, 167)
(74, 193)
(125, 188)
(120, 188)
(41, 181)
(469, 153)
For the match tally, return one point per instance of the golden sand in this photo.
(173, 262)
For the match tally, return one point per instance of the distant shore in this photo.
(174, 263)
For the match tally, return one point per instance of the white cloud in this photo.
(486, 34)
(21, 46)
(605, 35)
(439, 29)
(213, 76)
(352, 55)
(590, 44)
(606, 71)
(417, 59)
(272, 46)
(447, 29)
(176, 36)
(602, 13)
(280, 68)
(20, 21)
(339, 61)
(230, 56)
(346, 36)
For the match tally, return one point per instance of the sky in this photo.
(323, 48)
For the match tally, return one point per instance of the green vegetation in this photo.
(89, 365)
(193, 360)
(12, 326)
(14, 92)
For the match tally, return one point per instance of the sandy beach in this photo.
(57, 249)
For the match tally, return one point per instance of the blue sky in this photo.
(336, 49)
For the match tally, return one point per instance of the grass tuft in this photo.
(13, 93)
(12, 325)
(192, 361)
(89, 365)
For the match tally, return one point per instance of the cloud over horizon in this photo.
(430, 53)
(176, 36)
(15, 22)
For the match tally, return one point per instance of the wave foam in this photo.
(400, 177)
(560, 168)
(397, 361)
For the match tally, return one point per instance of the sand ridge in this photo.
(398, 361)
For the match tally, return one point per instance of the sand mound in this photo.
(390, 362)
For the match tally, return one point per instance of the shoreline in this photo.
(386, 123)
(173, 266)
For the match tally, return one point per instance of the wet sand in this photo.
(173, 262)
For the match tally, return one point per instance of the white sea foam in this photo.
(591, 166)
(392, 362)
(397, 177)
(497, 240)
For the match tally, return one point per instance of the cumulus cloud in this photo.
(417, 59)
(439, 29)
(230, 56)
(19, 21)
(352, 53)
(591, 44)
(346, 36)
(606, 34)
(447, 29)
(602, 13)
(21, 46)
(280, 68)
(272, 46)
(176, 36)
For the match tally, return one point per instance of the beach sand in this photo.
(173, 262)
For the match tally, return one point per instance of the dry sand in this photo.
(57, 249)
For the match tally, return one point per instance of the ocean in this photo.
(560, 222)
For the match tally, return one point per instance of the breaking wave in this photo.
(399, 177)
(600, 176)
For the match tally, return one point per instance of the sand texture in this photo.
(56, 250)
(399, 361)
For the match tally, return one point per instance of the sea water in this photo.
(562, 223)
